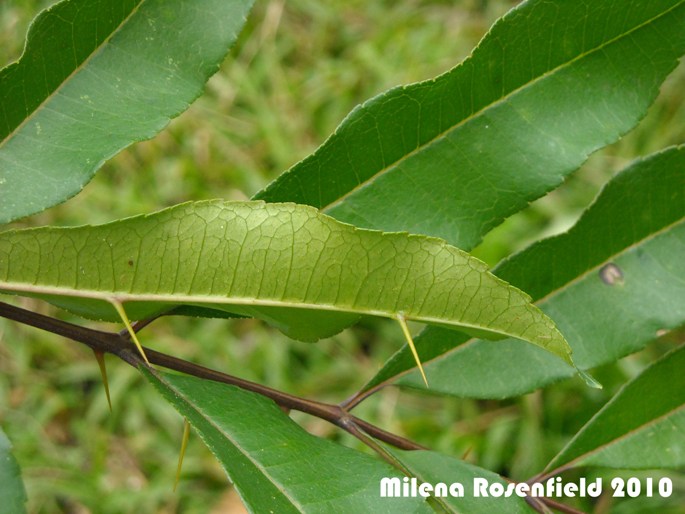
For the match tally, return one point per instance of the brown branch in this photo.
(544, 475)
(332, 413)
(97, 340)
(361, 395)
(120, 345)
(561, 507)
(536, 504)
(549, 502)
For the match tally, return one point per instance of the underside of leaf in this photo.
(302, 271)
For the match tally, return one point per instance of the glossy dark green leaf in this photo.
(551, 82)
(612, 283)
(12, 492)
(274, 464)
(96, 76)
(641, 427)
(298, 269)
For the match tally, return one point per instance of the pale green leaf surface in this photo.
(637, 224)
(453, 156)
(12, 492)
(274, 464)
(96, 76)
(433, 468)
(642, 427)
(300, 270)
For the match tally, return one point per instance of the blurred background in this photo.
(299, 67)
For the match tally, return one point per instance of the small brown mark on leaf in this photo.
(130, 262)
(611, 274)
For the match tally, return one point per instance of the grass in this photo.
(297, 70)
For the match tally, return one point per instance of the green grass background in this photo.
(299, 67)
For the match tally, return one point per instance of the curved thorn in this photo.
(184, 443)
(122, 314)
(405, 329)
(100, 357)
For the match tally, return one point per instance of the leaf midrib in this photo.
(608, 259)
(122, 297)
(487, 107)
(96, 51)
(238, 447)
(624, 436)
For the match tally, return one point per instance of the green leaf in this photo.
(433, 468)
(302, 271)
(453, 156)
(274, 464)
(637, 227)
(641, 427)
(12, 492)
(96, 76)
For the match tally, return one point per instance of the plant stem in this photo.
(120, 345)
(561, 507)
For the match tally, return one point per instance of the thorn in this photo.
(588, 379)
(405, 329)
(100, 357)
(122, 314)
(184, 443)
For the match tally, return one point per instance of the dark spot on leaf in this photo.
(130, 262)
(611, 274)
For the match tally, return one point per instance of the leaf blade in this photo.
(95, 77)
(274, 464)
(454, 155)
(304, 272)
(640, 427)
(12, 489)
